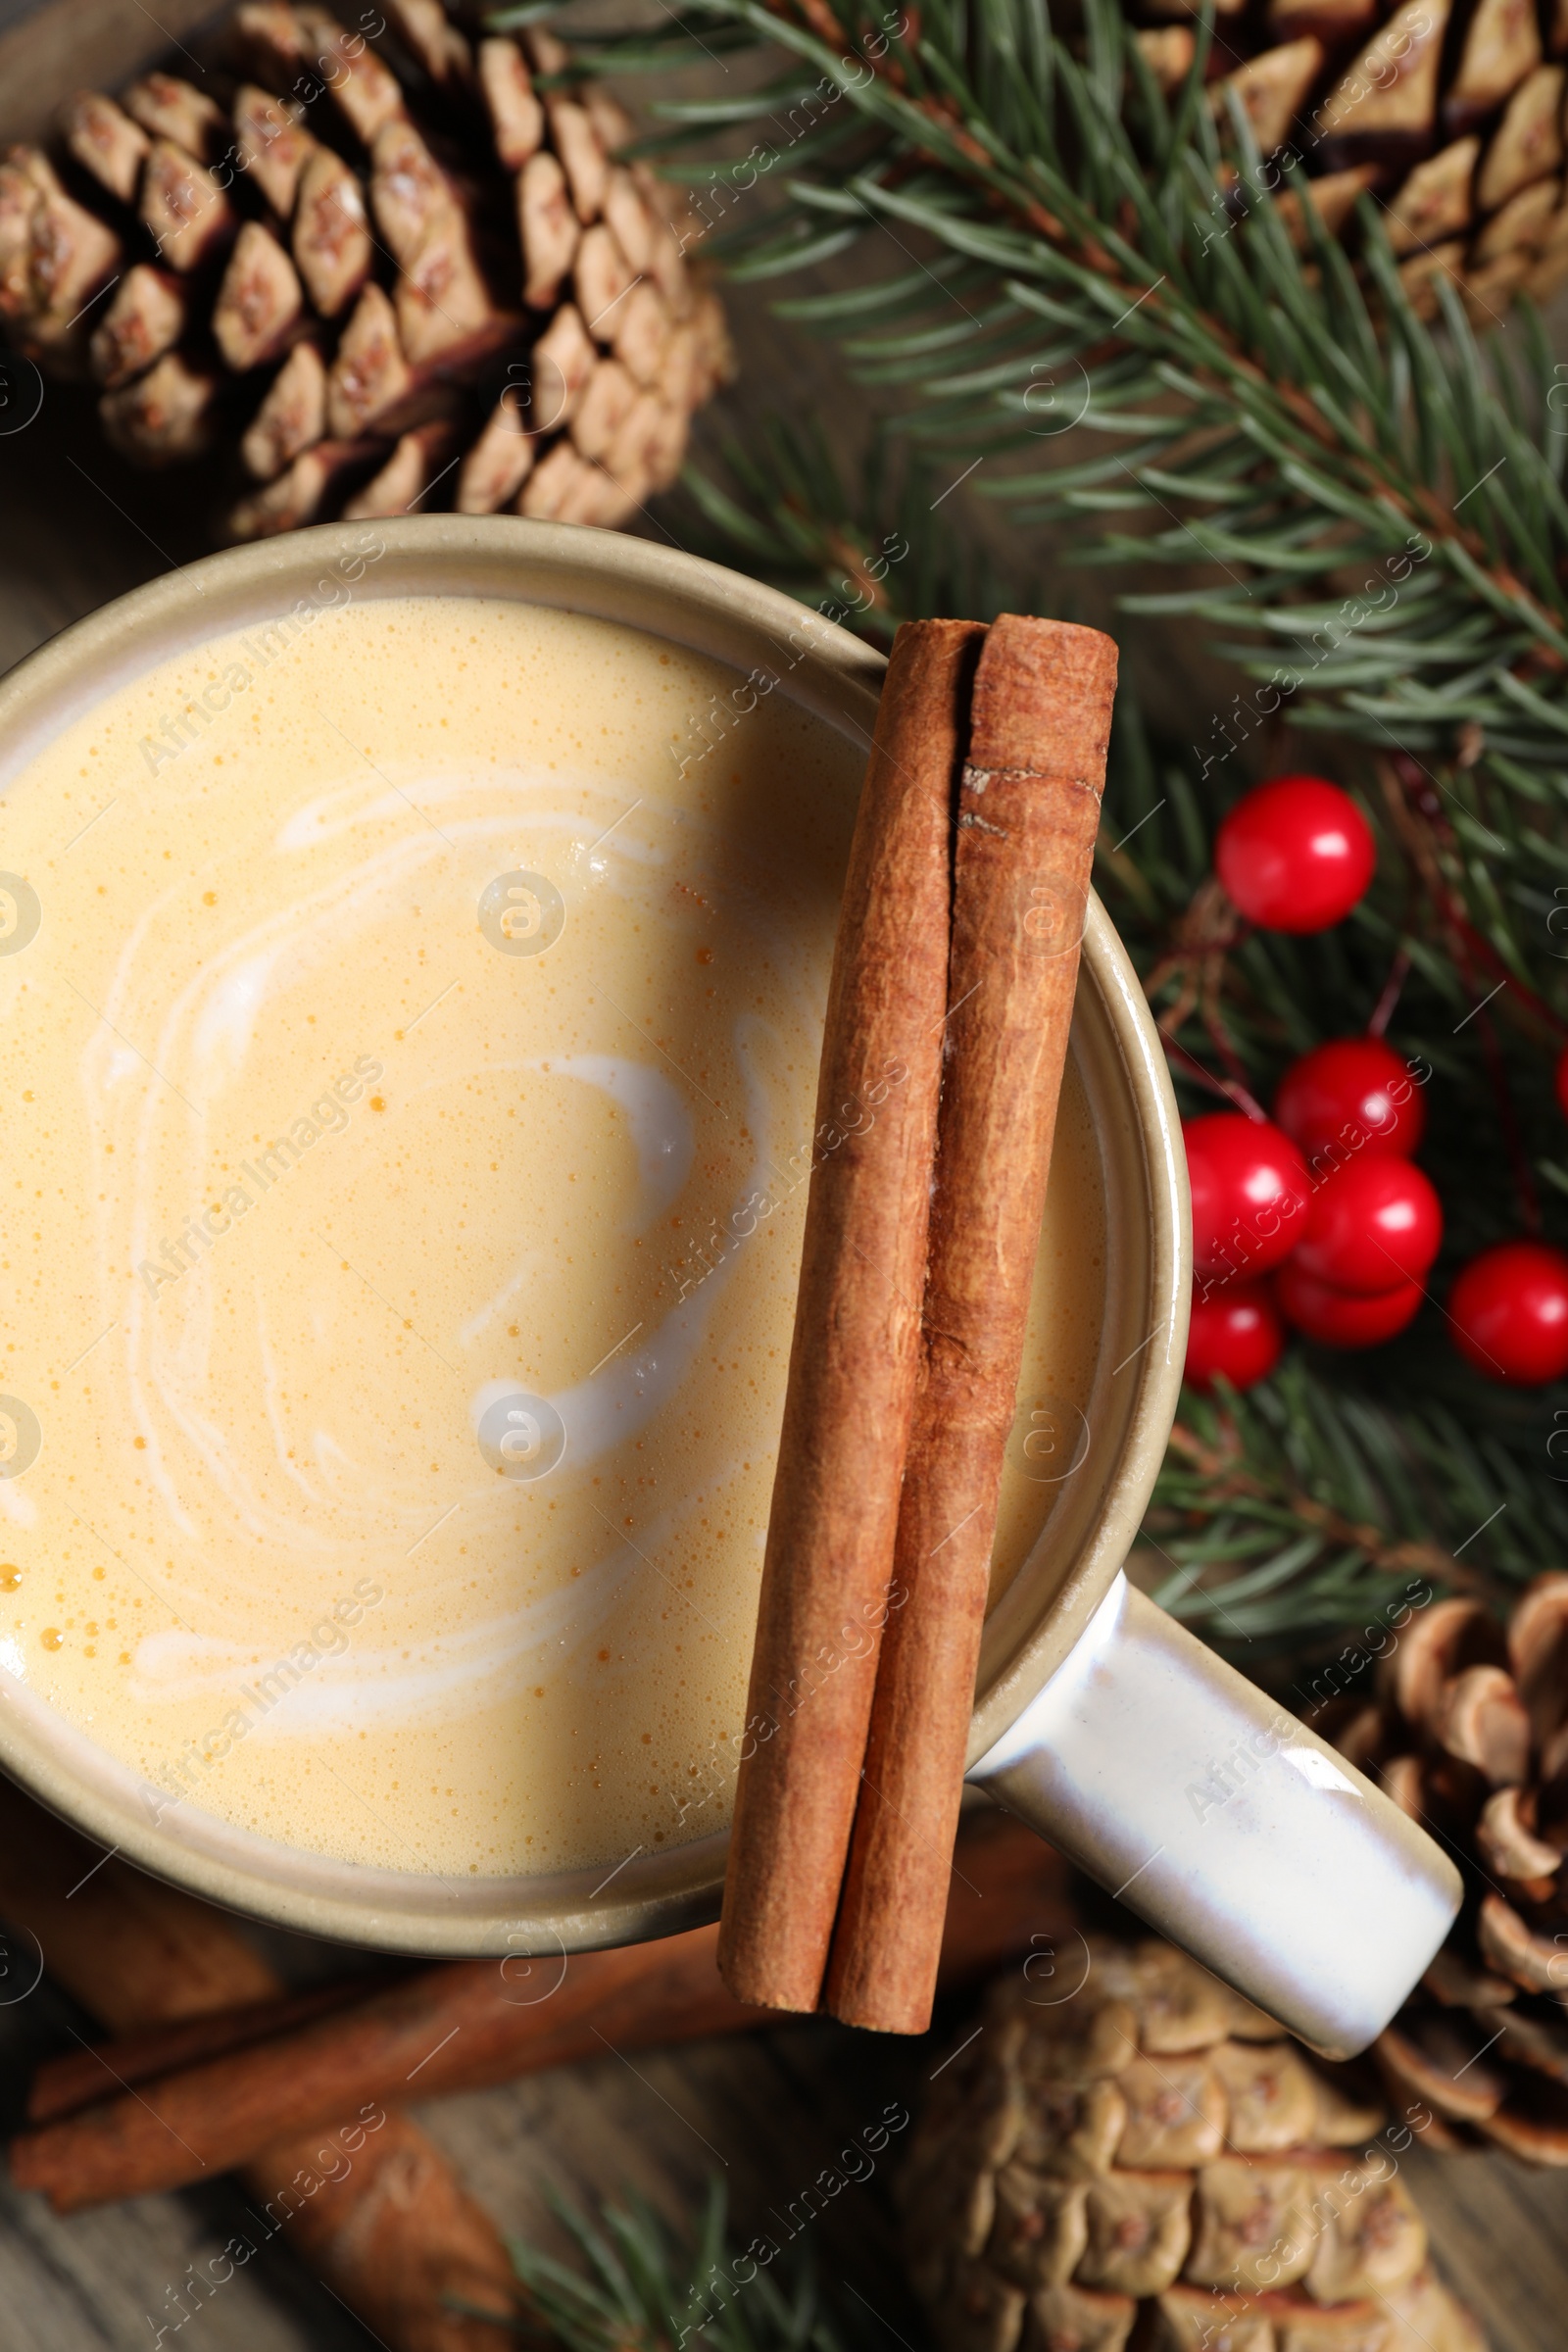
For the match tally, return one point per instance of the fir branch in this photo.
(1270, 410)
(641, 2287)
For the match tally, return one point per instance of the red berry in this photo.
(1343, 1318)
(1562, 1081)
(1353, 1094)
(1295, 855)
(1373, 1223)
(1509, 1309)
(1249, 1193)
(1235, 1332)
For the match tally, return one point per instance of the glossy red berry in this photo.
(1235, 1334)
(1295, 855)
(1510, 1312)
(1249, 1193)
(1373, 1223)
(1343, 1318)
(1562, 1082)
(1353, 1094)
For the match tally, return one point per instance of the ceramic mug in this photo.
(1172, 1780)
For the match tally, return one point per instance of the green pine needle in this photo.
(1255, 403)
(641, 2287)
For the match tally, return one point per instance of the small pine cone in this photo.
(1468, 1731)
(399, 274)
(1443, 132)
(1147, 2161)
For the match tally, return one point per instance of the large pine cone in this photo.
(1147, 2163)
(389, 269)
(1458, 140)
(1469, 1733)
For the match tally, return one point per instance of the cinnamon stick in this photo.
(447, 2029)
(1028, 812)
(377, 2212)
(829, 1566)
(460, 2027)
(79, 2079)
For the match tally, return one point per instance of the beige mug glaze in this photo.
(1228, 1882)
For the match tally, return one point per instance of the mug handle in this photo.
(1230, 1827)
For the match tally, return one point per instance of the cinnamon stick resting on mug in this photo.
(850, 1397)
(461, 2027)
(1018, 830)
(1028, 814)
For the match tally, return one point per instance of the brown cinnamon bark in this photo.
(451, 2028)
(386, 2222)
(1028, 811)
(827, 1575)
(469, 2026)
(132, 1952)
(374, 2209)
(80, 2078)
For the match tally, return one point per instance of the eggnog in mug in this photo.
(409, 1035)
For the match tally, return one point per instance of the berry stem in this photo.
(1392, 988)
(1231, 1089)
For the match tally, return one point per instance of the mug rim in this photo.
(711, 611)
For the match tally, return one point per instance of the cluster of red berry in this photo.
(1325, 1201)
